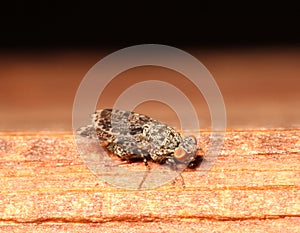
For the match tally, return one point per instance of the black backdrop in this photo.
(56, 24)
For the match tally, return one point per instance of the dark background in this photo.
(57, 24)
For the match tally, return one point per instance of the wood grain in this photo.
(253, 186)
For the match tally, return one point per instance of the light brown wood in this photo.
(252, 187)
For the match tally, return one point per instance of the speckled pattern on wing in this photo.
(135, 133)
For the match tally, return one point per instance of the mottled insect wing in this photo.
(87, 132)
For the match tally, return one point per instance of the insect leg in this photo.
(129, 156)
(181, 179)
(146, 173)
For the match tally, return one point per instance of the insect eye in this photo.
(180, 154)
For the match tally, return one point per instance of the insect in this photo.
(137, 137)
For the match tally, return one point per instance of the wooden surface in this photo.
(253, 187)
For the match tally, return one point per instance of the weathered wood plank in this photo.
(254, 185)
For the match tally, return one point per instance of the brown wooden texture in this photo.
(252, 187)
